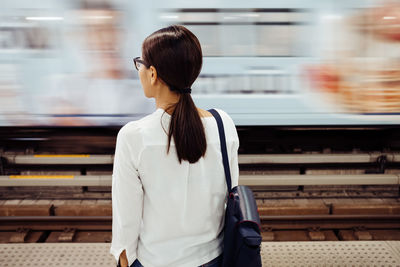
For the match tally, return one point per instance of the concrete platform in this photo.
(350, 253)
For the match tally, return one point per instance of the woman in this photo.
(169, 190)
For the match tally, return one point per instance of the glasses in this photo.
(138, 63)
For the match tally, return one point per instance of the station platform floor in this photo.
(342, 253)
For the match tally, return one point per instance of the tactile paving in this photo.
(344, 253)
(47, 254)
(395, 245)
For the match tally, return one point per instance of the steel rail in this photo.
(288, 222)
(56, 223)
(297, 222)
(249, 180)
(319, 158)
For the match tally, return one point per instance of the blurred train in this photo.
(286, 62)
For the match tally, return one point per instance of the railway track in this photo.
(19, 229)
(270, 175)
(271, 159)
(255, 169)
(309, 184)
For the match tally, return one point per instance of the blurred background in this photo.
(303, 62)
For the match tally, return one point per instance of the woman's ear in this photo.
(153, 77)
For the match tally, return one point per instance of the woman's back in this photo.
(182, 204)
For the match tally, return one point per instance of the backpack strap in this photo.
(223, 147)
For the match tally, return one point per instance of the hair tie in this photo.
(181, 91)
(186, 91)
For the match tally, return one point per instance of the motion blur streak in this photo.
(332, 62)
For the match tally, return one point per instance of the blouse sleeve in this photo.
(127, 199)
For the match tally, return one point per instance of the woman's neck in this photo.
(166, 99)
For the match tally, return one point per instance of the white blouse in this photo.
(166, 213)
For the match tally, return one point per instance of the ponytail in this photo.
(187, 130)
(176, 54)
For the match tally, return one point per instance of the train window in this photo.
(245, 32)
(271, 82)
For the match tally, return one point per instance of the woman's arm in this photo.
(127, 197)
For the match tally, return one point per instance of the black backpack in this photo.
(242, 238)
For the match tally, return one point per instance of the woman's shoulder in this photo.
(226, 118)
(229, 126)
(136, 127)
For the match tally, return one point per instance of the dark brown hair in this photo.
(176, 54)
